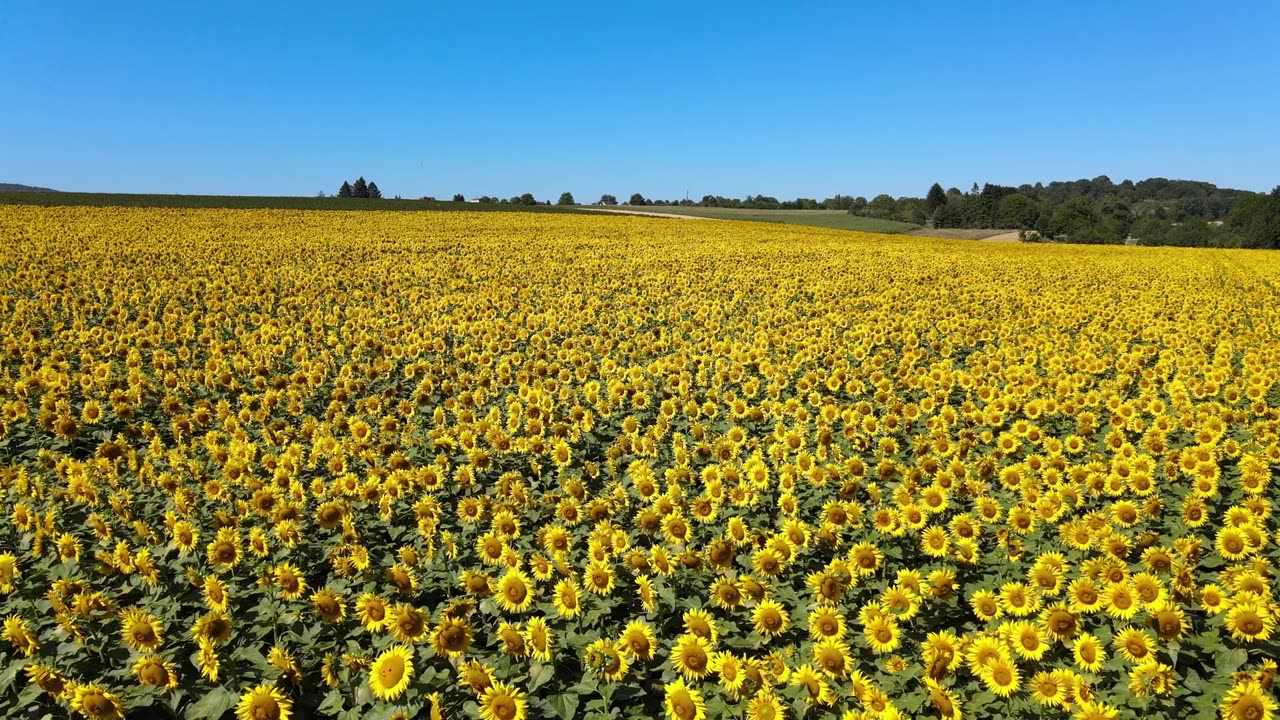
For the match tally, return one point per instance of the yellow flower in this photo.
(154, 671)
(1248, 701)
(263, 702)
(770, 618)
(139, 629)
(502, 702)
(96, 703)
(391, 672)
(515, 591)
(691, 656)
(683, 702)
(451, 637)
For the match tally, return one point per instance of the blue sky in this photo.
(737, 98)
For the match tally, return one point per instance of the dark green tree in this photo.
(608, 200)
(374, 192)
(936, 198)
(1017, 211)
(360, 189)
(459, 197)
(1081, 222)
(638, 199)
(565, 199)
(525, 199)
(345, 190)
(1256, 220)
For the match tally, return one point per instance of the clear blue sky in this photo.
(736, 98)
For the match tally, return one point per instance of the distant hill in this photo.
(14, 187)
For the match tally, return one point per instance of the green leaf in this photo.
(332, 703)
(1228, 661)
(212, 706)
(565, 705)
(539, 675)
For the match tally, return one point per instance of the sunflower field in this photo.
(272, 464)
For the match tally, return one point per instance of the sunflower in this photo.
(691, 656)
(1026, 640)
(451, 637)
(770, 618)
(825, 621)
(947, 705)
(606, 660)
(764, 705)
(831, 656)
(407, 623)
(47, 679)
(726, 594)
(139, 629)
(638, 640)
(1248, 701)
(263, 702)
(882, 635)
(475, 676)
(224, 550)
(503, 702)
(732, 671)
(683, 702)
(391, 672)
(599, 578)
(700, 623)
(1167, 619)
(1121, 601)
(512, 639)
(328, 605)
(515, 591)
(154, 671)
(213, 627)
(1088, 652)
(94, 702)
(20, 636)
(1001, 677)
(567, 599)
(1250, 621)
(986, 605)
(537, 636)
(1048, 689)
(371, 611)
(814, 687)
(215, 594)
(289, 580)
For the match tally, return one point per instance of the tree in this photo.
(1017, 211)
(345, 190)
(360, 189)
(1081, 222)
(1256, 220)
(374, 192)
(883, 207)
(638, 199)
(936, 198)
(525, 199)
(565, 199)
(459, 197)
(608, 200)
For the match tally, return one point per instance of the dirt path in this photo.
(646, 213)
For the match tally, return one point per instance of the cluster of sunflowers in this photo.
(274, 464)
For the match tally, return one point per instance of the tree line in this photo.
(359, 189)
(1155, 211)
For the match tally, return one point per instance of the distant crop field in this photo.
(281, 465)
(255, 202)
(837, 219)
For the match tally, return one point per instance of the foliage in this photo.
(349, 465)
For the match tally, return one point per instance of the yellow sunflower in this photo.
(391, 672)
(691, 656)
(683, 702)
(503, 702)
(515, 591)
(94, 702)
(263, 702)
